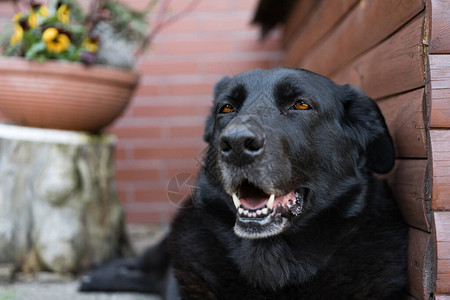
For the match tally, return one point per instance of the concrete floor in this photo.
(50, 286)
(61, 291)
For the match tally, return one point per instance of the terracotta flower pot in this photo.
(63, 95)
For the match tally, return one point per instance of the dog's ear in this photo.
(368, 127)
(209, 126)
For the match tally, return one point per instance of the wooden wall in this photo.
(438, 109)
(397, 52)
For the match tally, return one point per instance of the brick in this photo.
(149, 217)
(136, 4)
(198, 46)
(226, 24)
(168, 67)
(137, 174)
(148, 90)
(202, 6)
(160, 135)
(151, 194)
(185, 25)
(123, 194)
(255, 45)
(186, 131)
(178, 5)
(214, 6)
(231, 67)
(190, 89)
(167, 111)
(192, 171)
(6, 9)
(133, 132)
(246, 5)
(165, 152)
(158, 212)
(120, 153)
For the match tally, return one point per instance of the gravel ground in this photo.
(61, 291)
(50, 286)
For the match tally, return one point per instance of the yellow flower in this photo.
(17, 17)
(17, 36)
(33, 19)
(49, 34)
(90, 45)
(63, 14)
(35, 15)
(55, 41)
(43, 11)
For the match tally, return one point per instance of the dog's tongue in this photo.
(254, 202)
(253, 198)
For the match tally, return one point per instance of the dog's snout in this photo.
(240, 145)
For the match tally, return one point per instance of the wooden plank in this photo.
(440, 90)
(392, 67)
(420, 261)
(300, 13)
(443, 249)
(404, 117)
(442, 223)
(328, 13)
(440, 108)
(407, 181)
(440, 152)
(360, 31)
(440, 26)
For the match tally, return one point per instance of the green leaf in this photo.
(13, 50)
(35, 49)
(132, 25)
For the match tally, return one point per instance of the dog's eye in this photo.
(226, 109)
(302, 105)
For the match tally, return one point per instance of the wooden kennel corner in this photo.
(397, 52)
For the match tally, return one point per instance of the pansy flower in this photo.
(37, 11)
(17, 17)
(17, 36)
(90, 44)
(56, 41)
(63, 13)
(18, 30)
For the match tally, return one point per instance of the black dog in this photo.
(286, 206)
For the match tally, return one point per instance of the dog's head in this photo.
(286, 144)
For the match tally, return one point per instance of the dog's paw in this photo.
(119, 275)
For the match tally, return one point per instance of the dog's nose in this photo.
(240, 145)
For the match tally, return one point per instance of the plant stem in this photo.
(162, 24)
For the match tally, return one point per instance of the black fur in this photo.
(349, 240)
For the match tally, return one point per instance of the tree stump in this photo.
(59, 210)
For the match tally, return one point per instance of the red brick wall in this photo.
(159, 135)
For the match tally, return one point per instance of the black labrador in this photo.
(286, 205)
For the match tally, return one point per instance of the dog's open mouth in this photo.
(260, 215)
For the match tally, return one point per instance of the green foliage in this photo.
(76, 13)
(71, 29)
(127, 22)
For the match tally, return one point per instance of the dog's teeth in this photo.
(236, 201)
(245, 212)
(253, 215)
(265, 211)
(270, 202)
(258, 212)
(240, 210)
